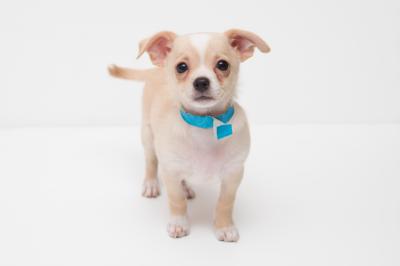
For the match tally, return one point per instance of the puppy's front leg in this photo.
(225, 229)
(178, 225)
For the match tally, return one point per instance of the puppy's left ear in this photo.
(244, 42)
(157, 46)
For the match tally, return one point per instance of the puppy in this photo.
(192, 128)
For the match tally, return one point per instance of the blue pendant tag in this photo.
(222, 130)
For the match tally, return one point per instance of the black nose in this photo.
(201, 84)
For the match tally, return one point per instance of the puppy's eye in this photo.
(181, 68)
(222, 65)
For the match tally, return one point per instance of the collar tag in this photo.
(221, 129)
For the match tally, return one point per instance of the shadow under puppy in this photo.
(192, 128)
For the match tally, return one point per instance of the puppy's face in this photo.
(203, 68)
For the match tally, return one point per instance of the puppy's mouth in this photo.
(203, 98)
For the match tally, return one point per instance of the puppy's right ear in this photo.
(157, 46)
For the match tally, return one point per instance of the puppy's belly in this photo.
(204, 168)
(199, 166)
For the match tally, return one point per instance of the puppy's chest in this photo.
(203, 155)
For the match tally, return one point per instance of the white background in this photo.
(321, 183)
(331, 61)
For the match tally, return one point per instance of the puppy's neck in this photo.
(212, 111)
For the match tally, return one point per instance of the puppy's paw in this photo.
(178, 226)
(189, 193)
(227, 234)
(151, 188)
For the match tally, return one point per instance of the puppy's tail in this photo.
(129, 73)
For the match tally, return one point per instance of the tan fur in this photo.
(182, 154)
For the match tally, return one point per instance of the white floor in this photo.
(312, 195)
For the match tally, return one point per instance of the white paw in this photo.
(189, 193)
(178, 226)
(151, 188)
(227, 234)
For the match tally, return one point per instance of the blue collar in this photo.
(207, 121)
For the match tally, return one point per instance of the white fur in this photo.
(151, 188)
(178, 226)
(200, 42)
(227, 234)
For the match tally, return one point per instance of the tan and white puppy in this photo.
(196, 73)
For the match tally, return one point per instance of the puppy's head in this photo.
(202, 68)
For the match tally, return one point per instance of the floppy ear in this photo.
(157, 46)
(244, 42)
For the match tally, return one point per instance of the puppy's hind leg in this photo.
(151, 188)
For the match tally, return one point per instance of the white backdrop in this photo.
(331, 61)
(313, 194)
